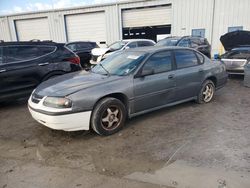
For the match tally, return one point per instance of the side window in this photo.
(72, 47)
(1, 55)
(132, 45)
(184, 43)
(195, 42)
(44, 50)
(22, 53)
(84, 46)
(144, 43)
(159, 62)
(185, 58)
(200, 57)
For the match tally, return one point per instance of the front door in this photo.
(156, 89)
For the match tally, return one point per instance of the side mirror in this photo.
(127, 47)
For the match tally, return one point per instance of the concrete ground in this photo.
(186, 146)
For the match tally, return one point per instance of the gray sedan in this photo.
(126, 84)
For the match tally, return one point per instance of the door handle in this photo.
(171, 76)
(3, 70)
(43, 64)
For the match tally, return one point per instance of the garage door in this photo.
(28, 29)
(152, 16)
(87, 26)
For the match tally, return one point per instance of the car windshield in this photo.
(117, 45)
(168, 42)
(120, 64)
(237, 54)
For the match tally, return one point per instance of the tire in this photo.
(108, 116)
(206, 93)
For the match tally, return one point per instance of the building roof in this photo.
(117, 2)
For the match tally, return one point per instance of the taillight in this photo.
(75, 60)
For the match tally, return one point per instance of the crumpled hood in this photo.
(71, 83)
(235, 39)
(99, 51)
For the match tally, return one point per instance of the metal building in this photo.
(132, 19)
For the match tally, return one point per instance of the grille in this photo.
(234, 63)
(36, 98)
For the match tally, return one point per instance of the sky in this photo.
(17, 6)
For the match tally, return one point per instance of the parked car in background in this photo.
(24, 65)
(83, 50)
(237, 46)
(126, 84)
(98, 54)
(198, 43)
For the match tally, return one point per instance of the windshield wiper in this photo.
(105, 69)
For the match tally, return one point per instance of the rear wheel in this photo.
(206, 93)
(108, 116)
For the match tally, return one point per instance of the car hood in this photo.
(235, 39)
(99, 51)
(71, 83)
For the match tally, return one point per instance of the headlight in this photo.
(57, 102)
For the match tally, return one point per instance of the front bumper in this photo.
(235, 66)
(67, 122)
(236, 71)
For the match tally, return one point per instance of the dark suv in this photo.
(197, 43)
(24, 65)
(83, 50)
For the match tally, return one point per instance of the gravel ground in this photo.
(173, 147)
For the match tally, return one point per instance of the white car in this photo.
(98, 54)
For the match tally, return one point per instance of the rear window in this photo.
(144, 43)
(168, 42)
(25, 53)
(184, 43)
(185, 58)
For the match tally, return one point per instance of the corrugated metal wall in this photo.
(4, 29)
(215, 16)
(229, 13)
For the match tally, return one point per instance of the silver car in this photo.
(236, 60)
(126, 84)
(237, 46)
(99, 54)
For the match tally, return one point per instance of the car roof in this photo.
(134, 40)
(80, 42)
(152, 49)
(30, 43)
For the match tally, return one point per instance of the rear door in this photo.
(189, 74)
(157, 89)
(22, 69)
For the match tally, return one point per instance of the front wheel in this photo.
(206, 93)
(108, 116)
